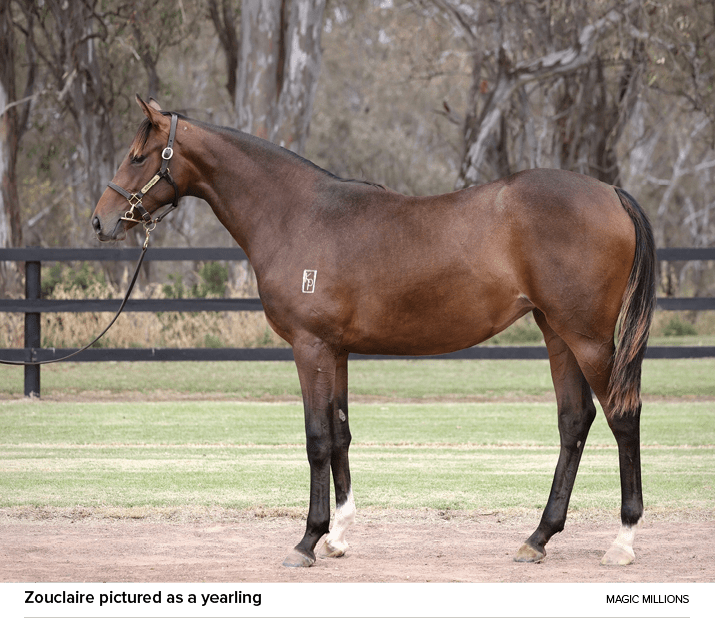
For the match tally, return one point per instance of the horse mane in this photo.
(142, 136)
(363, 181)
(289, 153)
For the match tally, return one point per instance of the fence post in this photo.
(33, 340)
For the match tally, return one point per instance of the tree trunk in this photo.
(89, 96)
(486, 132)
(10, 223)
(278, 69)
(224, 22)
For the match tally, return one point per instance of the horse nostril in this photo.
(96, 224)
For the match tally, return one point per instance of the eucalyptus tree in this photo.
(278, 67)
(14, 113)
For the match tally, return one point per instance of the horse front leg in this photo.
(316, 370)
(335, 545)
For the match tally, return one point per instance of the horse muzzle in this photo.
(118, 232)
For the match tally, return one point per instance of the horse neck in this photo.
(250, 184)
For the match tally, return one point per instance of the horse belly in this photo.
(429, 322)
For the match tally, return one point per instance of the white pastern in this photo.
(621, 551)
(626, 536)
(344, 518)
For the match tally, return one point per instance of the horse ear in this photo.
(154, 103)
(151, 110)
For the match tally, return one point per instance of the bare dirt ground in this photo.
(385, 547)
(222, 546)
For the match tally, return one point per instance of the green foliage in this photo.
(80, 279)
(213, 341)
(52, 278)
(679, 327)
(174, 290)
(213, 280)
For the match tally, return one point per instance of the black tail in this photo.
(636, 314)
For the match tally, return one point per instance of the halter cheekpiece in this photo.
(137, 213)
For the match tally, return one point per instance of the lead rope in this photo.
(148, 227)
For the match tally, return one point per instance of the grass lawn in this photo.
(481, 456)
(389, 379)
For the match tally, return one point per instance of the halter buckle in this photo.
(167, 153)
(134, 201)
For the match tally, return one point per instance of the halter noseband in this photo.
(137, 213)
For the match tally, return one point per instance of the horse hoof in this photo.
(333, 550)
(618, 556)
(296, 559)
(527, 553)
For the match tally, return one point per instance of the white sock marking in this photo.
(344, 518)
(626, 537)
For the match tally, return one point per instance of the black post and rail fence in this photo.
(33, 306)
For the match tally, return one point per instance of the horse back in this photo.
(370, 269)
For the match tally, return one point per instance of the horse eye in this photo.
(138, 159)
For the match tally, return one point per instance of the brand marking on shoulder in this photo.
(309, 276)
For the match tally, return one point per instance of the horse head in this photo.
(137, 192)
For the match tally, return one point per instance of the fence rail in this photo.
(33, 307)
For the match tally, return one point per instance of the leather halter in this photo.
(137, 213)
(135, 200)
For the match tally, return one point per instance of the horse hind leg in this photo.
(596, 362)
(626, 430)
(335, 544)
(576, 413)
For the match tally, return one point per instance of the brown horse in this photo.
(347, 266)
